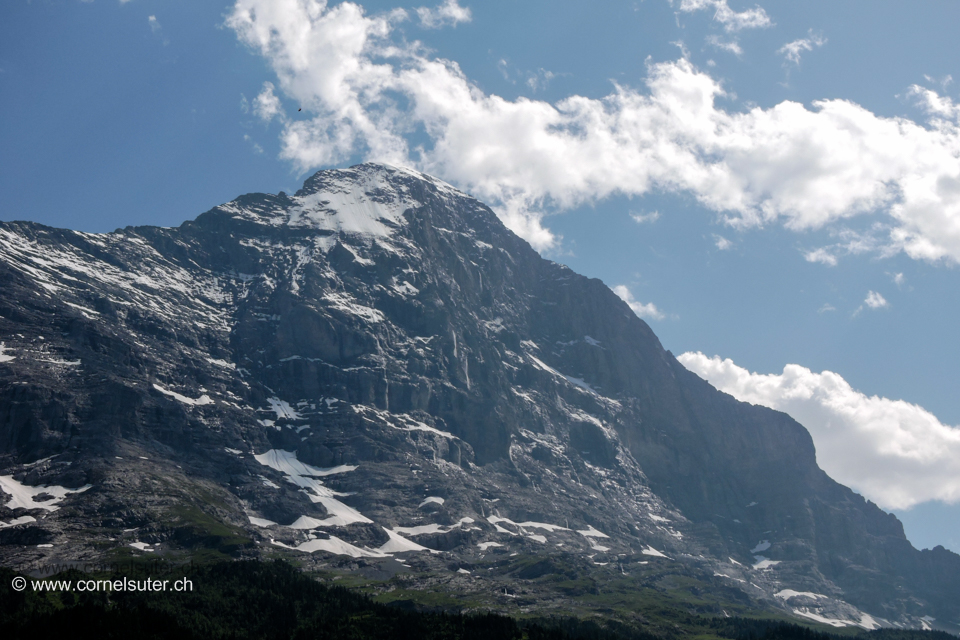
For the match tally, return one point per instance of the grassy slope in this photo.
(240, 600)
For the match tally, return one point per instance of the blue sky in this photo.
(769, 184)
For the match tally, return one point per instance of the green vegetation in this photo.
(274, 600)
(196, 529)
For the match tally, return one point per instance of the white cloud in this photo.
(540, 79)
(793, 50)
(157, 29)
(731, 20)
(731, 46)
(648, 311)
(256, 147)
(643, 218)
(895, 453)
(447, 14)
(875, 301)
(266, 106)
(722, 243)
(944, 82)
(826, 307)
(822, 256)
(939, 107)
(898, 279)
(803, 167)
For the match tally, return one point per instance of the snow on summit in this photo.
(368, 199)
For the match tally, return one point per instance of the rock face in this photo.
(377, 366)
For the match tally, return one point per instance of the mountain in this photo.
(375, 377)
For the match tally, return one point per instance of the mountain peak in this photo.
(376, 366)
(365, 199)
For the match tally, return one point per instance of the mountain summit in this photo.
(376, 368)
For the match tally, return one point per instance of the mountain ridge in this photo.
(414, 338)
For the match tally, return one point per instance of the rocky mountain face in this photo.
(374, 373)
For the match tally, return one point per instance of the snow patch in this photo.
(763, 564)
(17, 521)
(303, 475)
(366, 204)
(332, 545)
(25, 497)
(399, 544)
(340, 514)
(786, 594)
(867, 622)
(406, 289)
(578, 382)
(345, 303)
(522, 526)
(60, 361)
(486, 545)
(400, 421)
(805, 613)
(761, 546)
(590, 532)
(269, 483)
(430, 500)
(261, 522)
(357, 257)
(286, 462)
(3, 357)
(650, 551)
(202, 400)
(421, 529)
(283, 409)
(540, 525)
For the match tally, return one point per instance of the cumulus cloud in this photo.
(731, 46)
(793, 50)
(648, 311)
(731, 20)
(895, 453)
(822, 256)
(804, 167)
(722, 243)
(448, 14)
(875, 301)
(942, 108)
(643, 218)
(266, 105)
